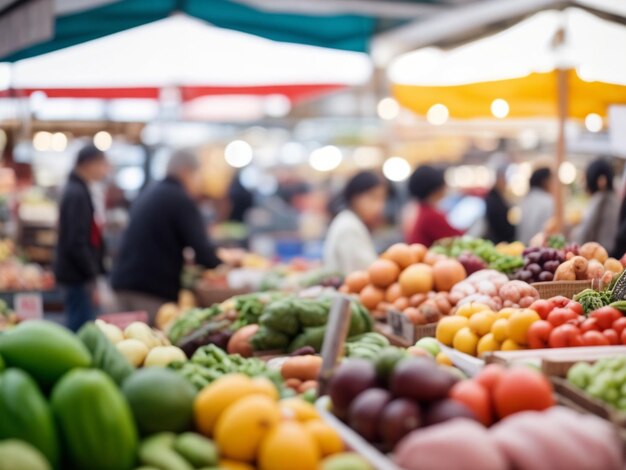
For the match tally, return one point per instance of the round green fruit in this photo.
(429, 344)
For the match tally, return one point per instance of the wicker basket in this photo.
(565, 288)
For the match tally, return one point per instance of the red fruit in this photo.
(619, 325)
(576, 307)
(612, 336)
(475, 397)
(590, 324)
(559, 316)
(623, 336)
(606, 316)
(522, 389)
(565, 336)
(539, 334)
(560, 301)
(543, 307)
(595, 338)
(490, 376)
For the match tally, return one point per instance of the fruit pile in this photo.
(605, 380)
(476, 254)
(386, 402)
(476, 329)
(494, 289)
(409, 279)
(540, 264)
(235, 423)
(590, 261)
(563, 324)
(15, 275)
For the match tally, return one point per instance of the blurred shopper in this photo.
(537, 207)
(498, 229)
(80, 247)
(349, 246)
(428, 186)
(164, 220)
(601, 218)
(619, 250)
(241, 199)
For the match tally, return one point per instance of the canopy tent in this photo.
(554, 64)
(196, 58)
(327, 23)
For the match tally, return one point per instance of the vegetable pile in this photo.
(476, 254)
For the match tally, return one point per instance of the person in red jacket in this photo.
(428, 186)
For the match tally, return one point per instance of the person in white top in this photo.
(537, 207)
(349, 246)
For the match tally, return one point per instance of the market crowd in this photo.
(165, 221)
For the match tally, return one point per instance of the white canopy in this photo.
(593, 46)
(183, 51)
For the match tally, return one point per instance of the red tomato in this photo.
(589, 324)
(612, 336)
(475, 397)
(576, 307)
(565, 336)
(559, 316)
(595, 338)
(619, 325)
(560, 301)
(543, 307)
(623, 336)
(539, 334)
(606, 316)
(522, 389)
(489, 376)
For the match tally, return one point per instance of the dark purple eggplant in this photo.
(215, 332)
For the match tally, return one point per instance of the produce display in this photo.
(16, 275)
(476, 254)
(409, 279)
(604, 380)
(7, 316)
(614, 295)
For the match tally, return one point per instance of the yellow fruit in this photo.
(519, 323)
(469, 309)
(506, 312)
(444, 359)
(264, 386)
(225, 464)
(465, 341)
(486, 344)
(328, 440)
(286, 447)
(448, 327)
(510, 345)
(480, 323)
(213, 399)
(298, 409)
(240, 429)
(500, 329)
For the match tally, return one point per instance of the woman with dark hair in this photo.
(600, 220)
(428, 186)
(349, 246)
(537, 207)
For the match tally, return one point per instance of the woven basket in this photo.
(565, 288)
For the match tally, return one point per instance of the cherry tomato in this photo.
(612, 336)
(595, 338)
(565, 336)
(576, 307)
(543, 307)
(539, 334)
(606, 316)
(559, 316)
(619, 325)
(590, 324)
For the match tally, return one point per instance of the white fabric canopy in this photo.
(183, 51)
(593, 46)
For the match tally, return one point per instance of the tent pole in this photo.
(561, 146)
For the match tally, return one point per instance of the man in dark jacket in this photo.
(164, 220)
(80, 247)
(499, 229)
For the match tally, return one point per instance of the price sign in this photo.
(401, 325)
(28, 306)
